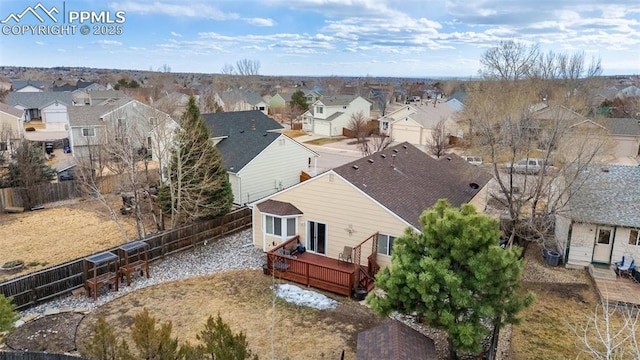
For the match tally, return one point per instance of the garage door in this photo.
(408, 134)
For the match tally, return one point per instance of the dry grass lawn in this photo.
(55, 235)
(294, 133)
(244, 301)
(324, 141)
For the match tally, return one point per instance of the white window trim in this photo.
(389, 248)
(283, 225)
(93, 130)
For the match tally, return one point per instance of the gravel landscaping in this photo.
(233, 252)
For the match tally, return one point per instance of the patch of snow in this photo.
(298, 296)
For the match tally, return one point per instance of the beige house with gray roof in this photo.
(385, 193)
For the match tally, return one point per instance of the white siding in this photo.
(621, 246)
(626, 146)
(562, 227)
(330, 200)
(582, 241)
(276, 168)
(235, 187)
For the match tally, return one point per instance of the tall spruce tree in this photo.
(454, 275)
(198, 185)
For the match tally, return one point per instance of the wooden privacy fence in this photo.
(32, 355)
(45, 193)
(65, 190)
(31, 289)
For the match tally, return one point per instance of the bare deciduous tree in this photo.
(510, 61)
(438, 143)
(613, 332)
(247, 67)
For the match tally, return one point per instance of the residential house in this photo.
(145, 127)
(393, 340)
(242, 100)
(382, 194)
(174, 103)
(44, 112)
(328, 115)
(11, 129)
(602, 220)
(104, 97)
(624, 134)
(259, 159)
(312, 96)
(456, 100)
(279, 100)
(416, 123)
(31, 85)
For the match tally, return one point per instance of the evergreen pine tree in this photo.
(198, 183)
(454, 275)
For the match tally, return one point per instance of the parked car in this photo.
(474, 160)
(531, 166)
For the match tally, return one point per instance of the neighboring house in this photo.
(415, 124)
(243, 100)
(142, 125)
(384, 193)
(279, 100)
(11, 129)
(393, 340)
(175, 104)
(31, 85)
(259, 159)
(602, 220)
(312, 96)
(625, 134)
(328, 115)
(104, 97)
(48, 107)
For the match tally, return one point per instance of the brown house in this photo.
(394, 340)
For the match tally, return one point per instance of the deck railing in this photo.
(366, 274)
(307, 272)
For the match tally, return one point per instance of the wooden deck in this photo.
(318, 271)
(315, 270)
(621, 291)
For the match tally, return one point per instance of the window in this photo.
(88, 132)
(3, 146)
(385, 244)
(344, 107)
(153, 121)
(634, 237)
(319, 109)
(385, 125)
(274, 226)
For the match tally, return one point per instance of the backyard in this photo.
(55, 235)
(565, 298)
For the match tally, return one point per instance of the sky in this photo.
(397, 38)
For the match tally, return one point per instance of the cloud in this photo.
(260, 21)
(192, 10)
(176, 34)
(39, 43)
(107, 43)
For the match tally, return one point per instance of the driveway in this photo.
(333, 154)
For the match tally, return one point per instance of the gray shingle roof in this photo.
(242, 142)
(608, 197)
(411, 181)
(235, 95)
(394, 340)
(338, 100)
(10, 110)
(621, 126)
(90, 115)
(38, 100)
(40, 84)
